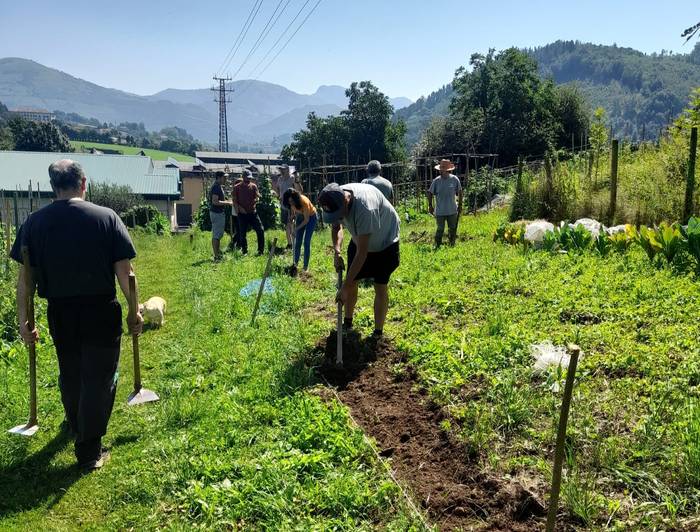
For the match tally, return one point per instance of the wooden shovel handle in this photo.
(133, 309)
(29, 289)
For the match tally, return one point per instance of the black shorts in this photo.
(379, 265)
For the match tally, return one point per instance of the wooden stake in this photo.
(262, 283)
(690, 183)
(613, 181)
(561, 438)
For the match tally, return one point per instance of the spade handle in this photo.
(133, 310)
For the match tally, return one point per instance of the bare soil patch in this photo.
(384, 398)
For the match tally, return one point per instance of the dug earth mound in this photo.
(385, 399)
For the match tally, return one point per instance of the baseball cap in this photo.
(332, 199)
(248, 174)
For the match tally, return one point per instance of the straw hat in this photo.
(445, 165)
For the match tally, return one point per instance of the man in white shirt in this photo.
(447, 190)
(285, 181)
(373, 252)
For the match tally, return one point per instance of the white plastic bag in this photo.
(548, 355)
(535, 231)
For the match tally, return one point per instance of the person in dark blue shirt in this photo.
(76, 249)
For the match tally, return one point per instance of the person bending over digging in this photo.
(446, 188)
(284, 182)
(76, 249)
(373, 252)
(217, 207)
(304, 212)
(245, 199)
(374, 177)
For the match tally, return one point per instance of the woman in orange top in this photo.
(304, 212)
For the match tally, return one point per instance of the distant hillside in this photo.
(254, 105)
(419, 114)
(640, 92)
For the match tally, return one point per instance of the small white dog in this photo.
(153, 311)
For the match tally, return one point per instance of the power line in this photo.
(279, 39)
(283, 46)
(290, 37)
(244, 31)
(238, 37)
(263, 34)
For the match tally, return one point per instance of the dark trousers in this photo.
(87, 336)
(248, 221)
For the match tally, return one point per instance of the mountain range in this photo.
(258, 112)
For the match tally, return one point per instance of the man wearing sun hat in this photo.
(373, 252)
(448, 193)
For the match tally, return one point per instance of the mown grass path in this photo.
(239, 438)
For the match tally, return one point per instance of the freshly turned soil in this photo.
(385, 399)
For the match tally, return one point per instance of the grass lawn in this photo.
(156, 155)
(242, 438)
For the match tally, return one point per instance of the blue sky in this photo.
(408, 47)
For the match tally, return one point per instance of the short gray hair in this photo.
(374, 168)
(66, 174)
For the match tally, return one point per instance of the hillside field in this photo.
(156, 155)
(248, 436)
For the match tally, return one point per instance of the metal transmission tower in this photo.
(222, 99)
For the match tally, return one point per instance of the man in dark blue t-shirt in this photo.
(76, 249)
(217, 213)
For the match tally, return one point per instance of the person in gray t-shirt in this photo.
(374, 178)
(373, 252)
(447, 190)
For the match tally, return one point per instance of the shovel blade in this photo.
(142, 396)
(24, 430)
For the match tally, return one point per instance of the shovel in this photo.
(30, 428)
(140, 395)
(339, 325)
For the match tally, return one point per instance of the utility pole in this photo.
(222, 99)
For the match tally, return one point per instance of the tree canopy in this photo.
(504, 106)
(365, 130)
(37, 136)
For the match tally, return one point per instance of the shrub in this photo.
(119, 198)
(148, 217)
(267, 206)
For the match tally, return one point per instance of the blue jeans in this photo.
(305, 234)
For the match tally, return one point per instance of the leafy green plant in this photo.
(692, 235)
(576, 238)
(602, 244)
(622, 241)
(670, 239)
(550, 241)
(645, 237)
(690, 451)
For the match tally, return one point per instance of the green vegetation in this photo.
(651, 178)
(240, 438)
(641, 93)
(364, 131)
(502, 105)
(243, 439)
(156, 155)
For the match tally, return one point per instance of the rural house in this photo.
(21, 172)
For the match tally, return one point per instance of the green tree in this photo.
(38, 136)
(119, 198)
(365, 129)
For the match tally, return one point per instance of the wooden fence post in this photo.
(16, 212)
(690, 183)
(561, 438)
(613, 181)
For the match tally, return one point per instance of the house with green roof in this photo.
(25, 175)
